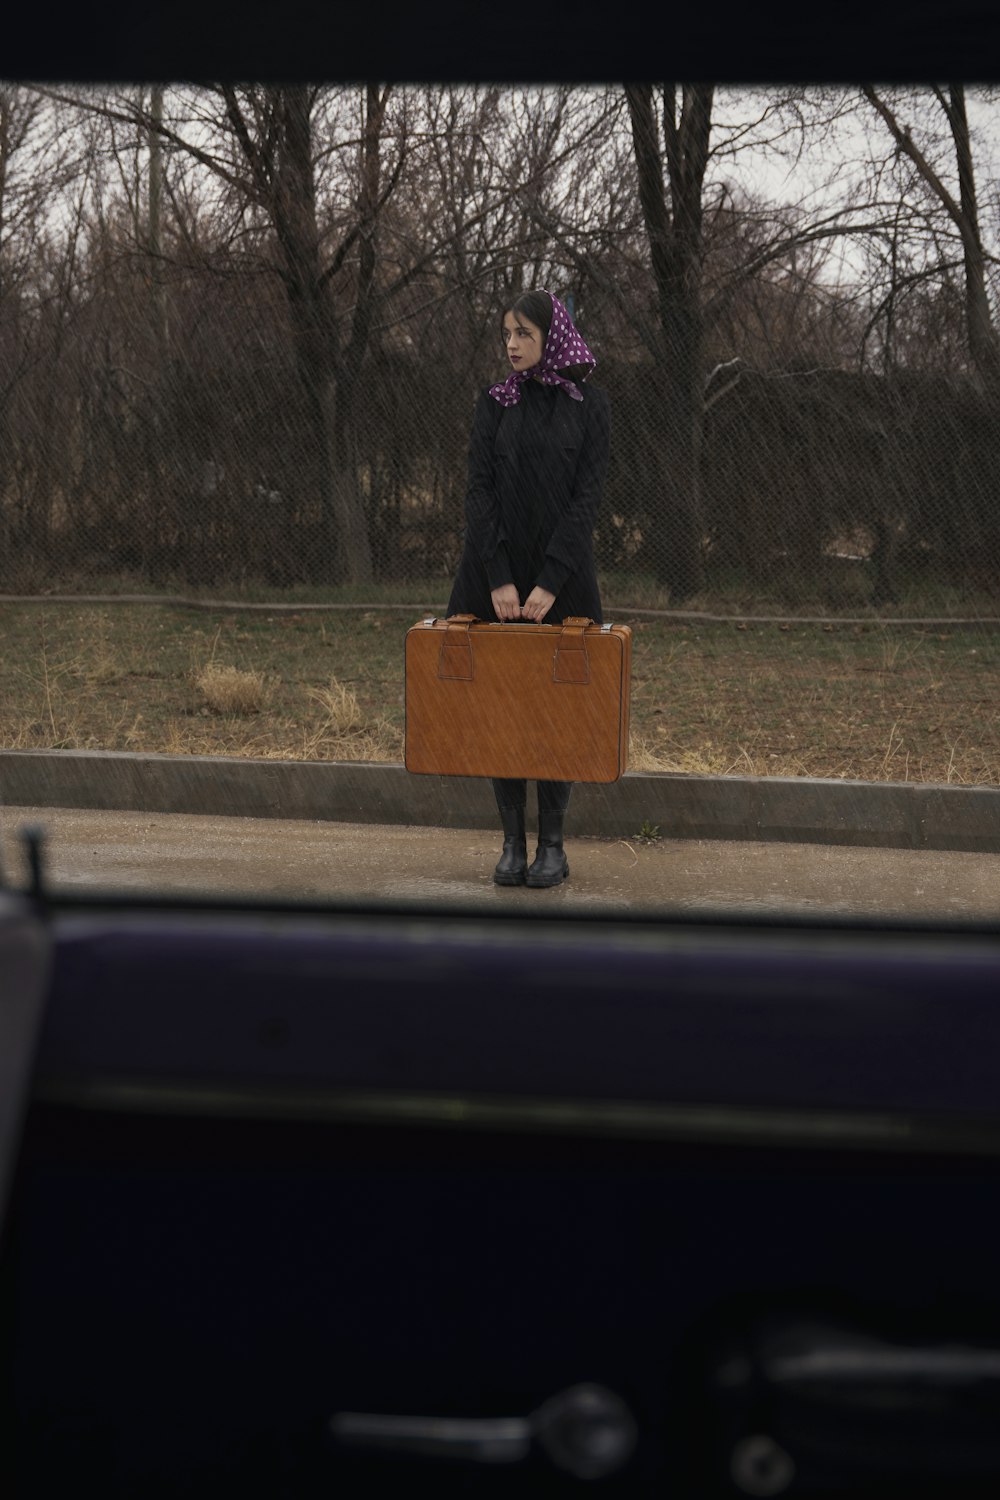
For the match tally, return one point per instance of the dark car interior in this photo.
(303, 1200)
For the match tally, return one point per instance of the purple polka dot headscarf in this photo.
(563, 347)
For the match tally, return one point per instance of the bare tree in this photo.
(231, 327)
(274, 127)
(962, 210)
(41, 192)
(671, 202)
(264, 145)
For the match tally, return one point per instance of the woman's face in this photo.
(524, 341)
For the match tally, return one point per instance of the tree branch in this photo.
(906, 145)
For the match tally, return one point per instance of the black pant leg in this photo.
(509, 793)
(553, 796)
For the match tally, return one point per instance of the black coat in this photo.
(536, 474)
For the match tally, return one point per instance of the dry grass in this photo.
(736, 699)
(707, 759)
(231, 690)
(344, 732)
(341, 709)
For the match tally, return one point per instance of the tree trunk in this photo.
(674, 234)
(982, 335)
(677, 534)
(328, 467)
(355, 539)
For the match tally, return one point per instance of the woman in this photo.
(537, 461)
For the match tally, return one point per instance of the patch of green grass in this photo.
(833, 586)
(649, 833)
(839, 587)
(430, 593)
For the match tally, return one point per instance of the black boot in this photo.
(514, 859)
(550, 865)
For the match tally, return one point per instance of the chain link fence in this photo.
(821, 492)
(818, 492)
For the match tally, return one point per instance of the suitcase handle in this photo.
(574, 620)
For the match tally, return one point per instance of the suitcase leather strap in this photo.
(455, 655)
(570, 662)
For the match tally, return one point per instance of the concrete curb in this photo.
(889, 815)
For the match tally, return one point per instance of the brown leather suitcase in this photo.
(544, 702)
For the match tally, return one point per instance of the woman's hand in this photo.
(537, 605)
(506, 602)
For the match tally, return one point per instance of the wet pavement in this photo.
(318, 861)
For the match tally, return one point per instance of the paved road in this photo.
(318, 861)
